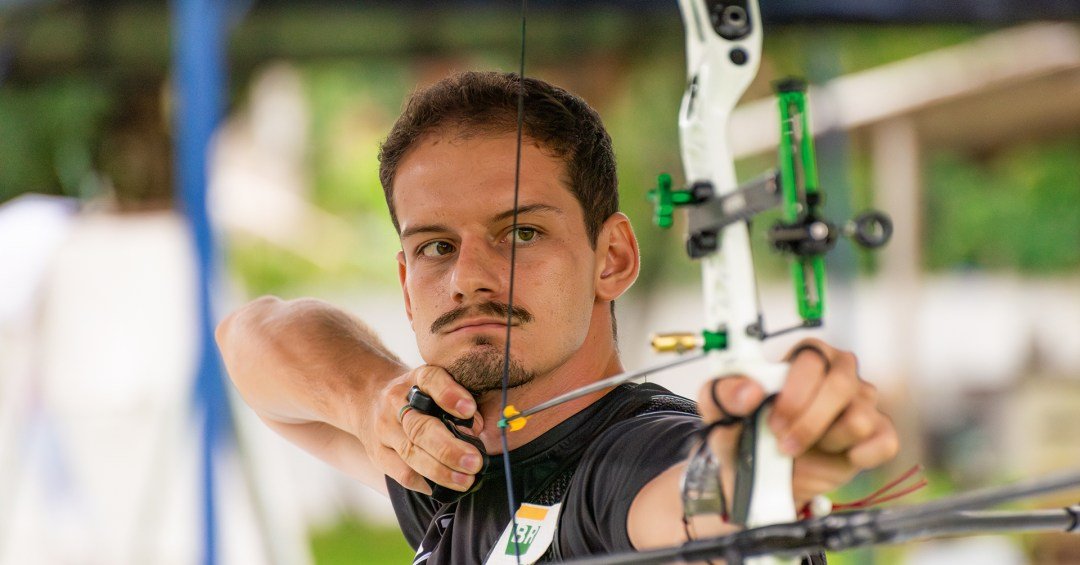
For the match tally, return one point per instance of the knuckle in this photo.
(446, 452)
(880, 449)
(416, 427)
(406, 448)
(787, 406)
(403, 477)
(805, 434)
(424, 376)
(386, 400)
(849, 386)
(869, 393)
(849, 360)
(891, 446)
(886, 451)
(720, 388)
(860, 425)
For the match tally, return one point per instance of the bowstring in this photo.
(510, 295)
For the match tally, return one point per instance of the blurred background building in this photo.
(962, 120)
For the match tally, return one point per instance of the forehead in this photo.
(447, 175)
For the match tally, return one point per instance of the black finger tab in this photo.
(421, 402)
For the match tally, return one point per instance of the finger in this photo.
(428, 435)
(394, 467)
(833, 397)
(806, 373)
(445, 391)
(879, 448)
(427, 466)
(818, 473)
(388, 409)
(857, 424)
(729, 396)
(387, 428)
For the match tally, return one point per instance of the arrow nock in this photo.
(512, 419)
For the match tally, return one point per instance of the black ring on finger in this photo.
(811, 347)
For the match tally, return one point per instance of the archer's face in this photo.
(454, 199)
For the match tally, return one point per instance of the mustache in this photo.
(494, 309)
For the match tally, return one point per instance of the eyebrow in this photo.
(522, 210)
(426, 228)
(527, 209)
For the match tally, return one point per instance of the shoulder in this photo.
(624, 458)
(652, 438)
(658, 417)
(649, 440)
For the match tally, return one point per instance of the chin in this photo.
(480, 369)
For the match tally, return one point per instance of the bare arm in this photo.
(297, 364)
(825, 416)
(322, 379)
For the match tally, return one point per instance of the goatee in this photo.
(481, 369)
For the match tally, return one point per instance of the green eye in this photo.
(524, 235)
(436, 249)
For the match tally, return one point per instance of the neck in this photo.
(596, 359)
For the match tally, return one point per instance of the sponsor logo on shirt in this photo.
(534, 534)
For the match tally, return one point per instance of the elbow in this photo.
(249, 316)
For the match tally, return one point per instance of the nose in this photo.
(478, 271)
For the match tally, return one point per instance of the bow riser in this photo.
(719, 71)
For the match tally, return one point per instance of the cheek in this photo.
(571, 297)
(423, 291)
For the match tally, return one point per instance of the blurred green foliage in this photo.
(48, 133)
(355, 542)
(1014, 211)
(352, 104)
(856, 48)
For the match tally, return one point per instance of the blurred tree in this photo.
(1018, 210)
(49, 133)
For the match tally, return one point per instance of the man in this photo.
(606, 465)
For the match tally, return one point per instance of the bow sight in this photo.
(803, 233)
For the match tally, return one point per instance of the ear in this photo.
(402, 269)
(617, 258)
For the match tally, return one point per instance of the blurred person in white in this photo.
(99, 442)
(321, 378)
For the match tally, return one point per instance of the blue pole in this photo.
(199, 34)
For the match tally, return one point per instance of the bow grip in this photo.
(421, 402)
(763, 491)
